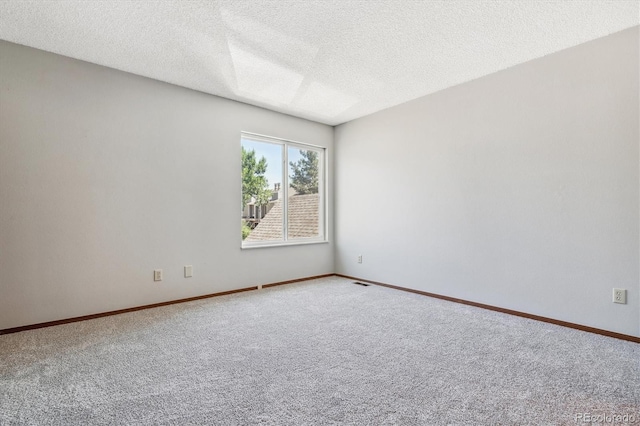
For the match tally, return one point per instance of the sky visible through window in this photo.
(273, 154)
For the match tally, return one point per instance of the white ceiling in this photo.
(326, 60)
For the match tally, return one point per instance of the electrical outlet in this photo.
(620, 295)
(359, 258)
(188, 271)
(157, 275)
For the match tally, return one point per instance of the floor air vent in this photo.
(362, 284)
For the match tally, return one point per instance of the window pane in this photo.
(282, 192)
(303, 216)
(262, 209)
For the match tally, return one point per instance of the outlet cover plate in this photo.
(620, 295)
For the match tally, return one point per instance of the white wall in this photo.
(105, 176)
(518, 190)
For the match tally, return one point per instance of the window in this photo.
(283, 192)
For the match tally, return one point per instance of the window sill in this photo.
(283, 244)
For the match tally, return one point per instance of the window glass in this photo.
(304, 196)
(282, 192)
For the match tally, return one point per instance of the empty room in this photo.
(295, 212)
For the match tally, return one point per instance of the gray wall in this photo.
(518, 190)
(105, 176)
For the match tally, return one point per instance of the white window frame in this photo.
(322, 191)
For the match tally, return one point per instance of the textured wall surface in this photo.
(518, 190)
(106, 176)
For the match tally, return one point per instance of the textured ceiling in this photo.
(326, 60)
